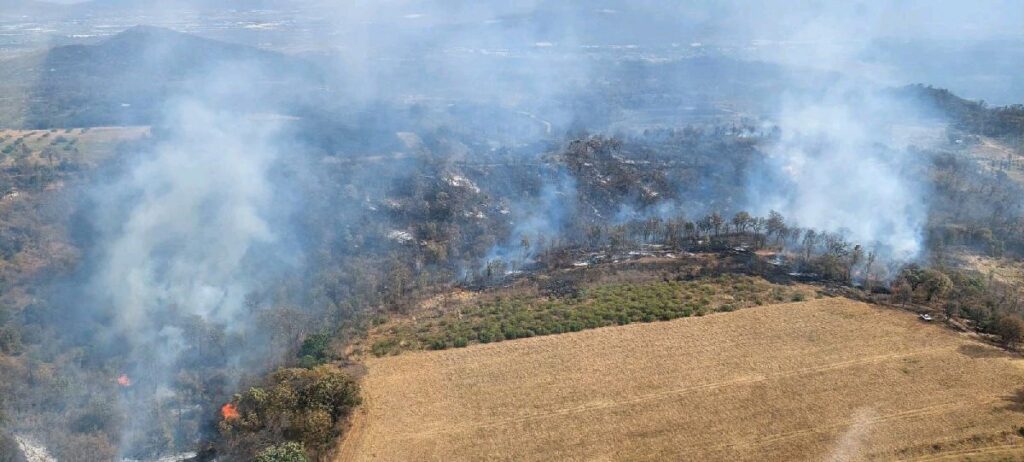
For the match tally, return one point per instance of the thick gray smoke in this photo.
(833, 168)
(192, 227)
(841, 163)
(198, 214)
(187, 230)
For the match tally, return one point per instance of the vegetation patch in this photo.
(295, 413)
(507, 318)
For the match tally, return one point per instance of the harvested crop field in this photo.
(828, 379)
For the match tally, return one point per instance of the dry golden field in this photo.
(828, 379)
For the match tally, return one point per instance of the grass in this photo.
(826, 379)
(524, 316)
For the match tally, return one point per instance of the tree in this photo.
(704, 225)
(758, 225)
(716, 221)
(650, 228)
(286, 452)
(776, 225)
(594, 235)
(856, 255)
(936, 283)
(306, 405)
(810, 242)
(872, 255)
(741, 221)
(690, 228)
(1010, 330)
(902, 292)
(315, 346)
(913, 275)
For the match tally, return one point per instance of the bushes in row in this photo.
(607, 305)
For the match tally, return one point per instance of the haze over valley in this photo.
(306, 230)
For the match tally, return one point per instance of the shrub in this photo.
(606, 305)
(309, 362)
(315, 346)
(1010, 330)
(286, 452)
(308, 405)
(385, 347)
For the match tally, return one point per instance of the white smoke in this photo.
(191, 223)
(197, 215)
(833, 169)
(537, 221)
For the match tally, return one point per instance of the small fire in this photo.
(229, 411)
(124, 381)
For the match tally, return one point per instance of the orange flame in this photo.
(124, 380)
(229, 411)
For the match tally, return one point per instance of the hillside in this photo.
(125, 79)
(971, 117)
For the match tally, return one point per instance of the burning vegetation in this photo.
(233, 261)
(229, 412)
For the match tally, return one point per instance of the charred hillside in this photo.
(206, 246)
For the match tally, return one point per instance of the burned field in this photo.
(823, 379)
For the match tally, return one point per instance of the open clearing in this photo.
(828, 379)
(87, 145)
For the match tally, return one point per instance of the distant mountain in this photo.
(127, 78)
(13, 8)
(975, 117)
(127, 6)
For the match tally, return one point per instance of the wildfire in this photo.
(229, 411)
(124, 381)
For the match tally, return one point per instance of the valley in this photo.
(312, 231)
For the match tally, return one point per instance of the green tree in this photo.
(741, 221)
(286, 452)
(306, 405)
(315, 346)
(935, 283)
